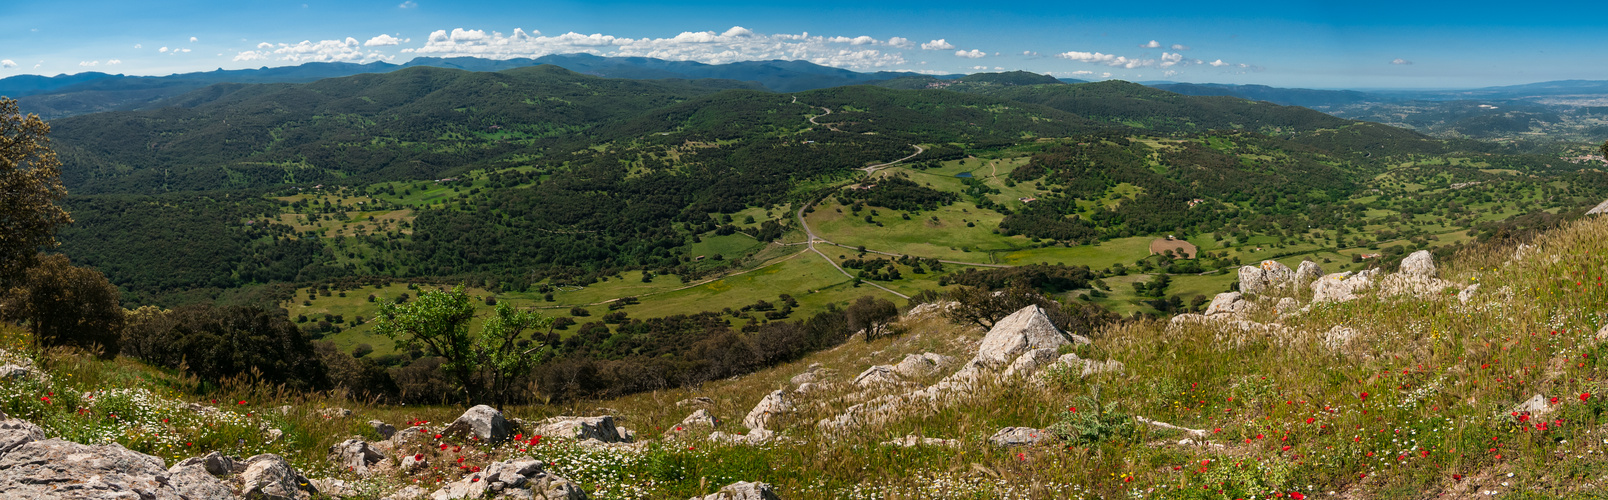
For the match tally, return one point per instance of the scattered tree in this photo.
(438, 324)
(30, 186)
(872, 315)
(504, 354)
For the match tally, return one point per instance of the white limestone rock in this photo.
(877, 376)
(1019, 436)
(1230, 304)
(743, 490)
(922, 365)
(1024, 330)
(774, 404)
(580, 429)
(1419, 263)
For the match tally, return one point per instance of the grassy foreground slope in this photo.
(1419, 404)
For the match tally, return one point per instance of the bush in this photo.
(67, 305)
(217, 343)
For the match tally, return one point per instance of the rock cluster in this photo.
(517, 478)
(743, 490)
(483, 422)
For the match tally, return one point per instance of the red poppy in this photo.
(418, 456)
(1584, 396)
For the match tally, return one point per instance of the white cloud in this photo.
(938, 44)
(139, 46)
(163, 49)
(1030, 53)
(114, 62)
(7, 63)
(192, 39)
(407, 5)
(979, 68)
(347, 50)
(735, 44)
(381, 40)
(1170, 59)
(859, 40)
(1218, 63)
(1152, 45)
(1179, 46)
(265, 45)
(1106, 59)
(1401, 62)
(900, 43)
(1169, 73)
(970, 54)
(89, 64)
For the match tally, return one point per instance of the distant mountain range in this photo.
(68, 95)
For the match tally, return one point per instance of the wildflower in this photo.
(1584, 396)
(418, 456)
(1457, 477)
(1364, 396)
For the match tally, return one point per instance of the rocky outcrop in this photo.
(1265, 277)
(1339, 336)
(1030, 362)
(700, 418)
(196, 477)
(53, 468)
(1022, 331)
(1307, 272)
(15, 433)
(1413, 285)
(270, 477)
(1537, 407)
(482, 422)
(1019, 436)
(743, 490)
(877, 376)
(335, 413)
(774, 404)
(1468, 293)
(15, 372)
(355, 455)
(922, 365)
(412, 492)
(1419, 263)
(1342, 287)
(581, 429)
(517, 478)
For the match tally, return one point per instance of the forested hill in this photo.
(1144, 107)
(412, 124)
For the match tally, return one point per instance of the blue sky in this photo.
(1317, 45)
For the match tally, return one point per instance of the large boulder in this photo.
(1264, 277)
(1413, 285)
(1420, 263)
(700, 418)
(1024, 330)
(1231, 304)
(743, 490)
(1019, 436)
(15, 433)
(355, 455)
(53, 468)
(517, 478)
(775, 403)
(1342, 287)
(922, 365)
(192, 477)
(1307, 271)
(483, 422)
(270, 477)
(581, 429)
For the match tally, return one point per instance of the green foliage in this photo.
(872, 315)
(30, 187)
(1087, 422)
(223, 343)
(63, 304)
(437, 323)
(501, 350)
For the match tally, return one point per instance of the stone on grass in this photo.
(355, 455)
(1230, 303)
(743, 490)
(516, 478)
(1019, 436)
(922, 365)
(1264, 277)
(1308, 271)
(1030, 362)
(383, 429)
(581, 429)
(697, 401)
(270, 477)
(876, 376)
(1468, 293)
(481, 421)
(912, 441)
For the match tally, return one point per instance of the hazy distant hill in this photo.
(1289, 97)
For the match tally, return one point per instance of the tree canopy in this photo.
(30, 186)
